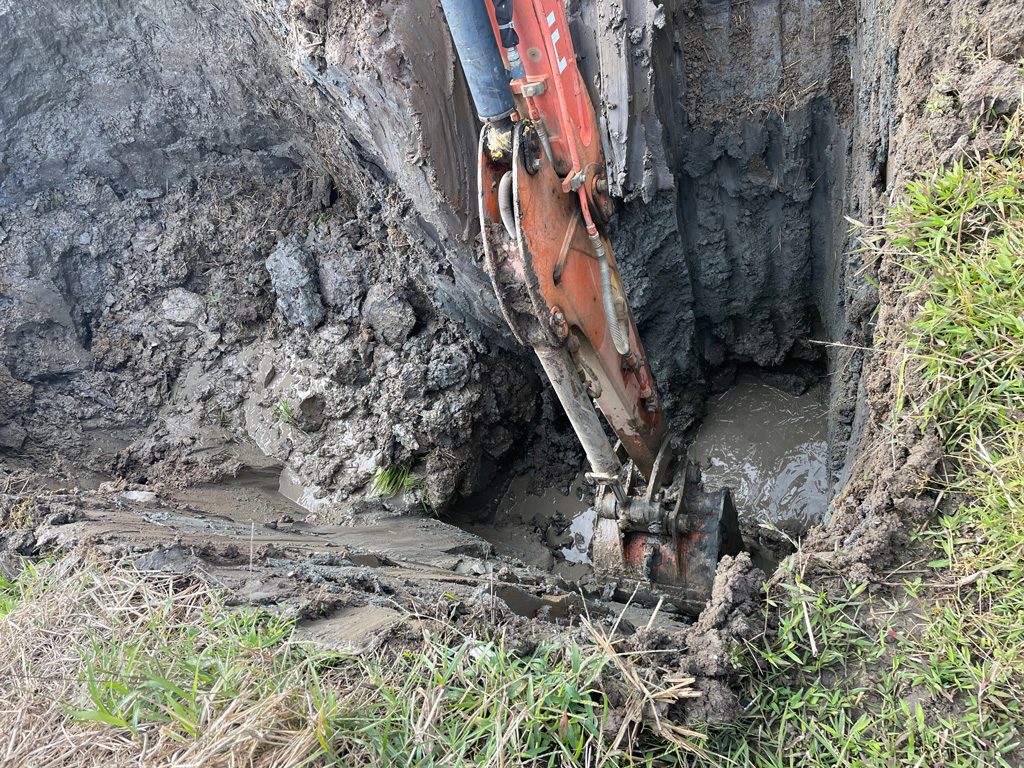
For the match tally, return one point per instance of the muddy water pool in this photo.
(769, 447)
(551, 531)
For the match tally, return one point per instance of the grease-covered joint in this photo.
(498, 141)
(529, 142)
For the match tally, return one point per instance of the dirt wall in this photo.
(226, 224)
(931, 82)
(199, 264)
(731, 225)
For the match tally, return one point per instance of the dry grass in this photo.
(103, 665)
(47, 645)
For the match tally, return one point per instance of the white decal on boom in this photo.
(555, 37)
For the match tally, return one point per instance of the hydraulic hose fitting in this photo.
(515, 64)
(545, 142)
(509, 37)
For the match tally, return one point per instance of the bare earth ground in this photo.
(358, 587)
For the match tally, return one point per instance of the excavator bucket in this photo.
(679, 558)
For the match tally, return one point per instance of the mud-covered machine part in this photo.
(543, 203)
(668, 534)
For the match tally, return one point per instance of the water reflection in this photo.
(770, 448)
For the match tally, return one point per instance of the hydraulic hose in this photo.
(545, 142)
(471, 29)
(508, 216)
(619, 329)
(509, 36)
(506, 27)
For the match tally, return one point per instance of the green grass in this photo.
(149, 669)
(933, 673)
(400, 479)
(283, 411)
(170, 673)
(13, 593)
(9, 595)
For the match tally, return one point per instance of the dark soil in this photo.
(241, 239)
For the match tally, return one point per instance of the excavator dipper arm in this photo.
(543, 204)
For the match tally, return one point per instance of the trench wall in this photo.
(155, 158)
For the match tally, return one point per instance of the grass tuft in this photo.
(104, 665)
(9, 596)
(399, 479)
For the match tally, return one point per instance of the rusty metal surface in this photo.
(677, 558)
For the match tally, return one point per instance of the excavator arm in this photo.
(543, 206)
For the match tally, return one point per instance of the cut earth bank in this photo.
(238, 239)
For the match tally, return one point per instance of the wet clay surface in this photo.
(770, 448)
(550, 530)
(252, 496)
(355, 588)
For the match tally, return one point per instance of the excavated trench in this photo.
(732, 241)
(239, 276)
(256, 262)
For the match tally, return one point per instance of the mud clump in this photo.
(291, 273)
(730, 619)
(707, 650)
(310, 416)
(15, 399)
(390, 315)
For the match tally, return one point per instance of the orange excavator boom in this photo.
(543, 206)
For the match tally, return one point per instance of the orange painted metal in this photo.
(556, 240)
(549, 280)
(682, 557)
(547, 275)
(548, 57)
